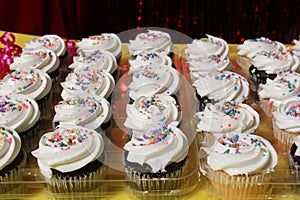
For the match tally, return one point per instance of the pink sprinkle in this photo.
(270, 103)
(9, 140)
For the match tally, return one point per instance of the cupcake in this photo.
(148, 112)
(70, 158)
(84, 111)
(237, 166)
(285, 87)
(43, 59)
(153, 41)
(106, 42)
(12, 159)
(149, 58)
(98, 59)
(220, 85)
(33, 83)
(22, 114)
(248, 50)
(153, 79)
(50, 41)
(286, 123)
(266, 65)
(156, 159)
(294, 156)
(226, 117)
(88, 81)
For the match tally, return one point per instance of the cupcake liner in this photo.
(267, 107)
(223, 186)
(30, 138)
(285, 138)
(244, 62)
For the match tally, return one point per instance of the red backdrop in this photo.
(233, 20)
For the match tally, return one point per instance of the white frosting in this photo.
(222, 85)
(242, 154)
(158, 147)
(275, 61)
(153, 41)
(18, 112)
(10, 146)
(287, 116)
(88, 81)
(83, 111)
(34, 83)
(296, 48)
(226, 117)
(67, 149)
(43, 59)
(153, 79)
(205, 47)
(106, 42)
(148, 112)
(285, 87)
(251, 47)
(104, 60)
(148, 58)
(52, 42)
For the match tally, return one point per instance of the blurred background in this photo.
(232, 20)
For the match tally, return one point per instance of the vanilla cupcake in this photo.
(88, 82)
(12, 159)
(33, 83)
(51, 41)
(149, 58)
(248, 50)
(106, 42)
(153, 79)
(84, 111)
(43, 59)
(286, 123)
(98, 59)
(153, 41)
(238, 166)
(268, 64)
(71, 159)
(148, 112)
(156, 159)
(285, 87)
(220, 85)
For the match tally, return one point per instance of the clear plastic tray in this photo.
(285, 181)
(32, 182)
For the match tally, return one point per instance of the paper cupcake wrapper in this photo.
(223, 186)
(267, 107)
(30, 138)
(244, 62)
(86, 183)
(6, 180)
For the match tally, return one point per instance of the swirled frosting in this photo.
(158, 147)
(251, 47)
(205, 47)
(97, 59)
(34, 83)
(226, 117)
(43, 59)
(67, 149)
(285, 87)
(148, 112)
(18, 112)
(153, 41)
(287, 116)
(296, 47)
(153, 79)
(83, 111)
(106, 42)
(149, 58)
(10, 145)
(52, 42)
(198, 66)
(222, 85)
(275, 61)
(88, 81)
(238, 154)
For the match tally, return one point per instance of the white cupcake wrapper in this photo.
(244, 62)
(267, 108)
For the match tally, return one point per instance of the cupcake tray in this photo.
(32, 184)
(285, 180)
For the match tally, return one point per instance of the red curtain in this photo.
(233, 20)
